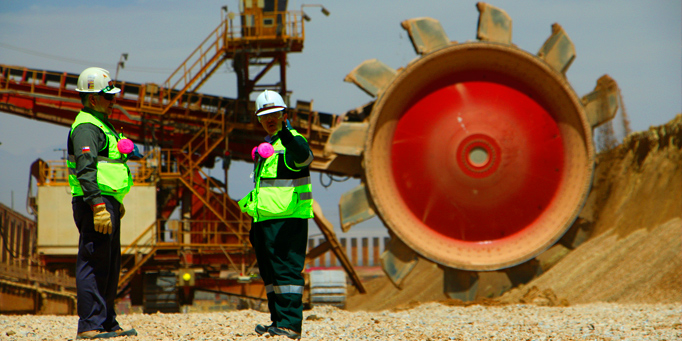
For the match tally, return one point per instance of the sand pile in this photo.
(639, 183)
(642, 267)
(634, 254)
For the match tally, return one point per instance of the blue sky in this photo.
(638, 43)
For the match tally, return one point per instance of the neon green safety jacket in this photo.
(113, 174)
(280, 190)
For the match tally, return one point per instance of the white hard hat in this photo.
(94, 79)
(268, 102)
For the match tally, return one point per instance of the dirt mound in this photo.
(639, 183)
(423, 284)
(634, 254)
(642, 267)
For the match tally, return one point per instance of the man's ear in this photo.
(92, 100)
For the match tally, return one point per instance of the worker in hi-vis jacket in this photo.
(281, 204)
(99, 179)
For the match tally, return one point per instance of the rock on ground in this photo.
(430, 321)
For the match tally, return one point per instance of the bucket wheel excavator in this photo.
(477, 156)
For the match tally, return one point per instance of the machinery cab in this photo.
(266, 18)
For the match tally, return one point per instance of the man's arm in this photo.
(298, 150)
(87, 141)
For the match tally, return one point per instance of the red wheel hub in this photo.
(478, 155)
(477, 161)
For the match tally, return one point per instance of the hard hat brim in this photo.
(112, 91)
(270, 110)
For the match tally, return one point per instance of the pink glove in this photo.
(265, 150)
(125, 146)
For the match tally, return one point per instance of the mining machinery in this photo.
(477, 156)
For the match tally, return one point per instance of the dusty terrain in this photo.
(624, 282)
(429, 321)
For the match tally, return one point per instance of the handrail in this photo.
(133, 244)
(127, 276)
(197, 66)
(211, 208)
(207, 233)
(208, 237)
(202, 143)
(291, 30)
(170, 84)
(185, 80)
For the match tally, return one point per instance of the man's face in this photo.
(103, 103)
(272, 123)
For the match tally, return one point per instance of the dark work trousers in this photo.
(280, 246)
(97, 267)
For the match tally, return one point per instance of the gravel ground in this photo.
(429, 321)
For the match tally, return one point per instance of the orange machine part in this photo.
(479, 156)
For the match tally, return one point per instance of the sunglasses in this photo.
(103, 93)
(274, 115)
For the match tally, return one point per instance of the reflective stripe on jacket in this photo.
(113, 174)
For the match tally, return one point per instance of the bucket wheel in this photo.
(478, 156)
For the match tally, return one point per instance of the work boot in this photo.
(129, 332)
(284, 332)
(261, 329)
(96, 334)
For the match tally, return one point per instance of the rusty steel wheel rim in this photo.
(479, 156)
